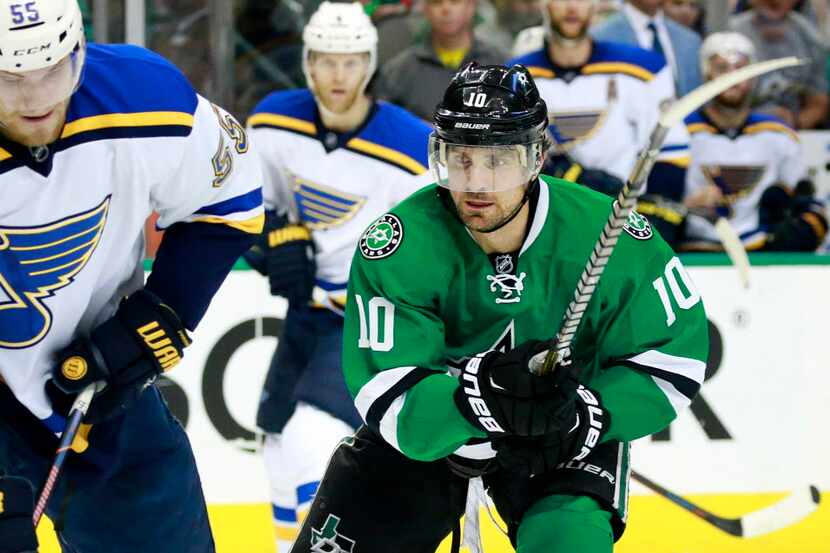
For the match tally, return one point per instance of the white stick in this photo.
(560, 350)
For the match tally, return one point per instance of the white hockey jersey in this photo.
(742, 163)
(336, 184)
(603, 112)
(137, 139)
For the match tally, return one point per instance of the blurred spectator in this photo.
(511, 17)
(417, 77)
(533, 38)
(643, 23)
(747, 166)
(689, 13)
(603, 101)
(398, 23)
(798, 95)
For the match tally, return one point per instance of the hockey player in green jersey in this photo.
(450, 294)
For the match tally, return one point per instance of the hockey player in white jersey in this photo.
(335, 159)
(604, 100)
(92, 140)
(746, 166)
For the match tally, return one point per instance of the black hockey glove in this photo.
(17, 503)
(498, 394)
(803, 231)
(289, 260)
(143, 339)
(573, 441)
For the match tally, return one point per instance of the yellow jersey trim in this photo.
(144, 119)
(284, 122)
(700, 127)
(285, 533)
(542, 72)
(682, 161)
(618, 67)
(773, 127)
(387, 154)
(4, 155)
(254, 225)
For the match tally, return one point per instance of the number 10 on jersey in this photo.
(378, 331)
(685, 299)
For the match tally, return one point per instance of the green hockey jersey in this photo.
(423, 297)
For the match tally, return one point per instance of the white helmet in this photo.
(730, 46)
(340, 28)
(38, 34)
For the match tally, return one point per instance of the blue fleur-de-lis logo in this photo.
(36, 262)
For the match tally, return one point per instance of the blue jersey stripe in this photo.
(305, 493)
(237, 204)
(284, 515)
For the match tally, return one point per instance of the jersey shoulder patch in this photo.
(382, 238)
(638, 226)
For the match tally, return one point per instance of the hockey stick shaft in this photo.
(731, 526)
(79, 408)
(798, 505)
(559, 351)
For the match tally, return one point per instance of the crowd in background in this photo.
(268, 44)
(422, 43)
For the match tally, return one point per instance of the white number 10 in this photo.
(684, 300)
(381, 313)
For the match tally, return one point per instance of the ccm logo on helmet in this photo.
(474, 397)
(35, 50)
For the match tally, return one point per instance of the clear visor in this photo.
(36, 92)
(466, 168)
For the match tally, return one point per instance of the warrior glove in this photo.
(17, 503)
(128, 351)
(289, 260)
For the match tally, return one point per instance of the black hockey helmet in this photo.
(491, 105)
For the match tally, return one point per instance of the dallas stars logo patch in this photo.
(328, 540)
(382, 238)
(638, 226)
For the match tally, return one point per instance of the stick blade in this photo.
(798, 505)
(699, 96)
(734, 248)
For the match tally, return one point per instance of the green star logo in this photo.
(638, 226)
(382, 238)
